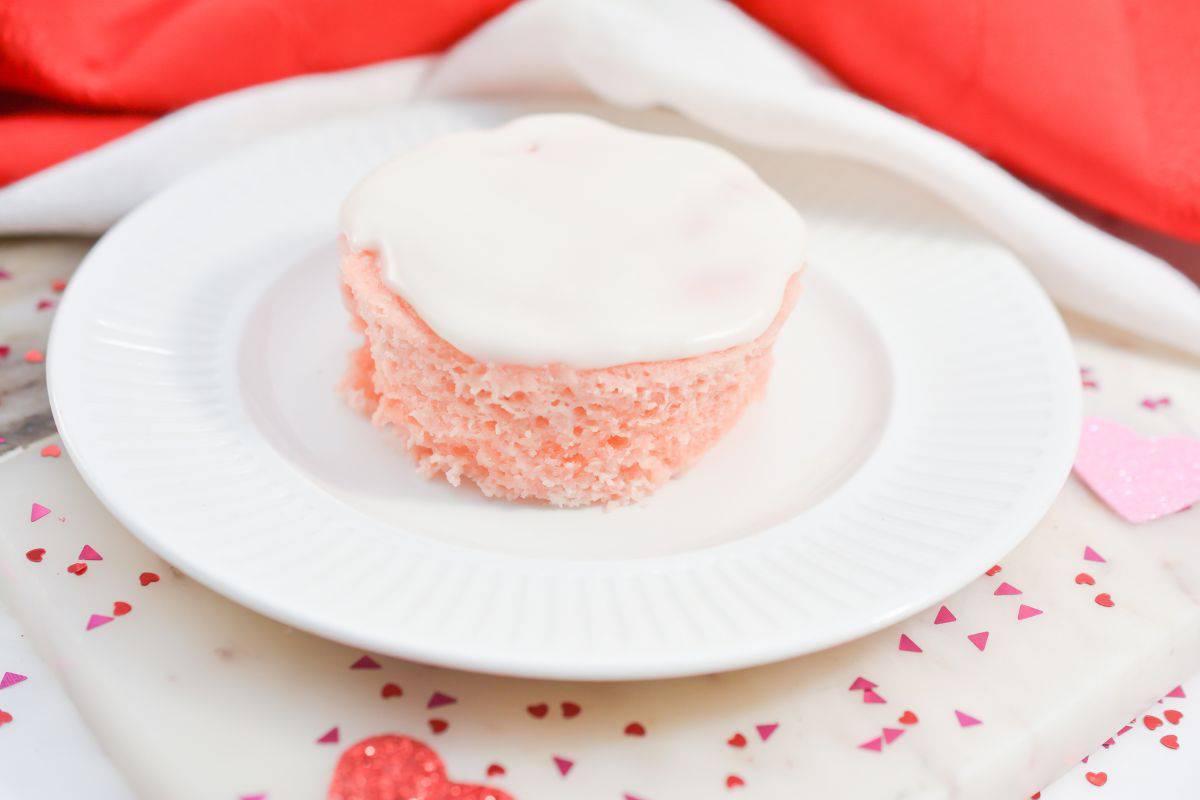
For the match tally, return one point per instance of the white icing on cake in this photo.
(558, 238)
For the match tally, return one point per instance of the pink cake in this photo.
(570, 435)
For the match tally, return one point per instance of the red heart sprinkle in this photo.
(1083, 578)
(1151, 722)
(35, 555)
(571, 710)
(51, 451)
(148, 578)
(5, 350)
(1097, 778)
(5, 718)
(396, 766)
(1170, 741)
(391, 690)
(1173, 716)
(995, 568)
(733, 781)
(495, 769)
(908, 718)
(539, 710)
(58, 284)
(737, 740)
(35, 356)
(42, 305)
(78, 568)
(121, 608)
(635, 729)
(1103, 599)
(438, 725)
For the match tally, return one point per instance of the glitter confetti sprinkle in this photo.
(635, 729)
(874, 745)
(147, 578)
(862, 683)
(34, 356)
(734, 781)
(570, 710)
(1006, 588)
(365, 662)
(892, 734)
(979, 639)
(943, 616)
(330, 736)
(1091, 555)
(5, 350)
(78, 568)
(908, 645)
(88, 553)
(36, 554)
(966, 720)
(493, 770)
(37, 512)
(43, 304)
(390, 690)
(1141, 478)
(1025, 612)
(995, 568)
(5, 717)
(438, 726)
(871, 696)
(438, 699)
(538, 710)
(1153, 403)
(765, 731)
(1177, 693)
(564, 765)
(51, 451)
(96, 620)
(737, 740)
(11, 679)
(58, 285)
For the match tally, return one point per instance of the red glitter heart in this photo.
(1151, 722)
(121, 608)
(1104, 599)
(733, 781)
(58, 284)
(388, 767)
(908, 718)
(1083, 578)
(995, 568)
(438, 725)
(5, 718)
(51, 451)
(148, 578)
(78, 568)
(635, 729)
(570, 710)
(538, 710)
(737, 740)
(1097, 778)
(495, 769)
(1170, 741)
(391, 690)
(1173, 716)
(35, 555)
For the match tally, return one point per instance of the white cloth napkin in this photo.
(703, 58)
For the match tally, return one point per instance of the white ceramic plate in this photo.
(921, 418)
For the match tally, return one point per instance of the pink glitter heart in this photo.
(1139, 477)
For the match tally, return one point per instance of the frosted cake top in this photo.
(559, 238)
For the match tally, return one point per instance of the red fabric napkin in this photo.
(1099, 100)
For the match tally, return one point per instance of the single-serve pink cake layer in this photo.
(570, 437)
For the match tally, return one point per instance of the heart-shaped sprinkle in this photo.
(438, 699)
(88, 553)
(908, 718)
(5, 717)
(1151, 722)
(1171, 715)
(330, 736)
(1103, 599)
(1140, 477)
(871, 696)
(734, 781)
(78, 568)
(390, 767)
(365, 662)
(1025, 612)
(908, 645)
(979, 639)
(35, 555)
(1170, 741)
(993, 570)
(875, 745)
(1097, 778)
(495, 769)
(862, 683)
(147, 578)
(121, 608)
(390, 690)
(1006, 588)
(737, 740)
(765, 731)
(51, 451)
(37, 512)
(96, 620)
(966, 720)
(34, 356)
(635, 729)
(943, 616)
(11, 679)
(537, 710)
(1091, 555)
(1083, 578)
(438, 725)
(563, 764)
(570, 710)
(43, 304)
(5, 350)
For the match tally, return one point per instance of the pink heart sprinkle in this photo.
(869, 696)
(1006, 588)
(980, 641)
(365, 662)
(38, 512)
(438, 699)
(10, 679)
(1177, 692)
(966, 720)
(330, 736)
(1091, 555)
(96, 620)
(253, 797)
(1141, 478)
(1025, 612)
(862, 683)
(564, 765)
(89, 554)
(908, 645)
(943, 616)
(875, 744)
(765, 731)
(891, 734)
